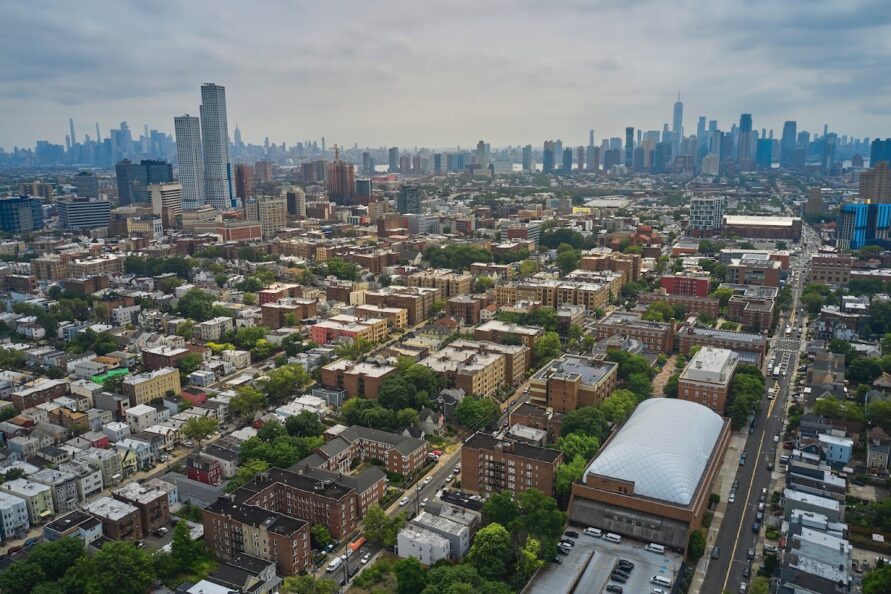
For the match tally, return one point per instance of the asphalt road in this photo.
(736, 535)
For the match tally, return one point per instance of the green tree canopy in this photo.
(491, 551)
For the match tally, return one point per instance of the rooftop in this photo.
(110, 509)
(589, 370)
(711, 365)
(670, 468)
(485, 442)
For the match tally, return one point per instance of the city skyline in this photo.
(556, 75)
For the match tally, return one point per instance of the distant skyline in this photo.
(428, 74)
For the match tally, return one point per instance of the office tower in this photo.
(662, 157)
(548, 157)
(629, 146)
(700, 132)
(611, 158)
(86, 184)
(879, 150)
(580, 158)
(133, 179)
(815, 204)
(591, 137)
(190, 159)
(437, 163)
(215, 140)
(296, 199)
(263, 171)
(558, 148)
(20, 214)
(405, 164)
(244, 181)
(745, 141)
(875, 184)
(236, 136)
(711, 163)
(418, 165)
(167, 202)
(364, 190)
(706, 215)
(788, 142)
(615, 143)
(393, 154)
(71, 130)
(270, 211)
(639, 137)
(764, 153)
(455, 162)
(527, 157)
(481, 153)
(637, 163)
(593, 161)
(566, 168)
(341, 180)
(677, 119)
(408, 201)
(83, 213)
(323, 144)
(366, 163)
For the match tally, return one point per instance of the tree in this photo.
(380, 528)
(659, 311)
(247, 401)
(569, 473)
(878, 580)
(491, 551)
(54, 558)
(306, 424)
(410, 576)
(307, 584)
(320, 536)
(528, 267)
(541, 517)
(199, 428)
(342, 269)
(578, 444)
(197, 305)
(189, 363)
(353, 349)
(670, 390)
(587, 420)
(696, 545)
(500, 508)
(879, 413)
(283, 381)
(723, 295)
(619, 405)
(437, 307)
(759, 585)
(568, 260)
(863, 370)
(546, 348)
(21, 577)
(246, 472)
(120, 567)
(483, 283)
(477, 412)
(184, 550)
(115, 384)
(528, 561)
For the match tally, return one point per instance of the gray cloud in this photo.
(434, 74)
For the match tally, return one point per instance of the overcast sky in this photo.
(443, 73)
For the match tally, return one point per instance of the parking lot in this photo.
(586, 569)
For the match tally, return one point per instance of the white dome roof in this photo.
(663, 448)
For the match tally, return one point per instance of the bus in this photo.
(776, 370)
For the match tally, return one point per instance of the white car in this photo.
(732, 498)
(776, 438)
(428, 480)
(424, 502)
(403, 501)
(365, 558)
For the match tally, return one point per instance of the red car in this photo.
(15, 549)
(436, 452)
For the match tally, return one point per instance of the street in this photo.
(736, 535)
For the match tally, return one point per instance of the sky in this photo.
(443, 74)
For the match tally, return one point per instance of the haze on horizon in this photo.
(444, 74)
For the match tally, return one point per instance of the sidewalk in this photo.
(723, 483)
(663, 376)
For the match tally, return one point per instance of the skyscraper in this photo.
(71, 128)
(20, 214)
(787, 142)
(879, 150)
(591, 137)
(548, 156)
(629, 146)
(341, 180)
(86, 184)
(677, 120)
(481, 153)
(745, 141)
(567, 161)
(167, 203)
(191, 160)
(409, 199)
(527, 157)
(244, 181)
(393, 155)
(215, 140)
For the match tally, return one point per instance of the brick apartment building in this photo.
(830, 269)
(400, 454)
(685, 284)
(356, 378)
(489, 465)
(572, 381)
(417, 301)
(750, 347)
(655, 336)
(706, 378)
(691, 303)
(153, 505)
(275, 313)
(538, 417)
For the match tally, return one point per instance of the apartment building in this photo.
(691, 303)
(627, 264)
(497, 331)
(754, 269)
(153, 504)
(145, 387)
(417, 301)
(477, 372)
(214, 329)
(685, 284)
(13, 516)
(537, 417)
(397, 317)
(706, 378)
(162, 356)
(830, 269)
(490, 465)
(356, 378)
(572, 381)
(278, 314)
(400, 454)
(344, 326)
(751, 347)
(38, 498)
(516, 357)
(76, 524)
(120, 520)
(655, 336)
(448, 282)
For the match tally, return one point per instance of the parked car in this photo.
(403, 501)
(571, 534)
(614, 589)
(756, 527)
(716, 552)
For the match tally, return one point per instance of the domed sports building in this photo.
(652, 478)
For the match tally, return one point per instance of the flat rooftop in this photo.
(589, 370)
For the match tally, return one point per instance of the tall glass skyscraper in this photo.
(215, 139)
(191, 160)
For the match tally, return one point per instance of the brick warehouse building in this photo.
(652, 478)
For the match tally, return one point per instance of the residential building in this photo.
(83, 213)
(190, 160)
(573, 381)
(706, 378)
(14, 520)
(424, 545)
(685, 284)
(830, 269)
(498, 331)
(145, 387)
(215, 141)
(120, 520)
(153, 504)
(706, 215)
(167, 203)
(356, 378)
(476, 372)
(38, 498)
(754, 269)
(656, 336)
(75, 524)
(20, 214)
(490, 465)
(270, 211)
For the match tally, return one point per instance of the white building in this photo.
(13, 516)
(116, 431)
(215, 140)
(239, 359)
(706, 214)
(423, 545)
(190, 159)
(214, 329)
(141, 416)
